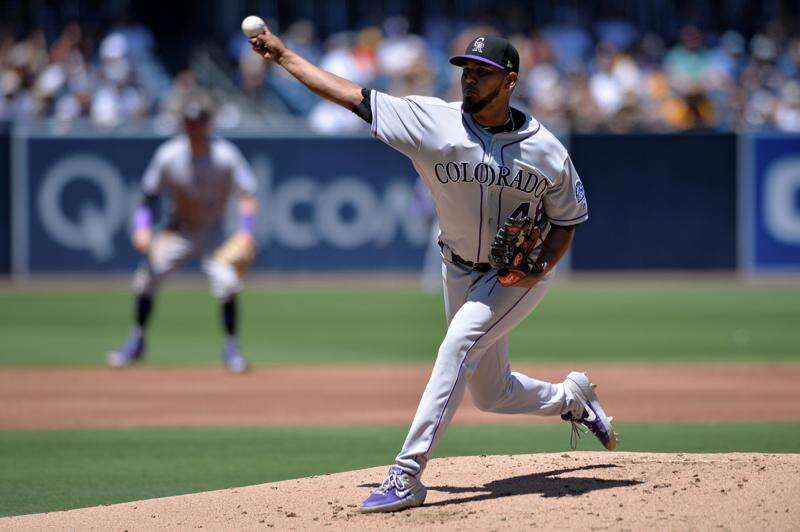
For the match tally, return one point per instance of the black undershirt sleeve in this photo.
(364, 109)
(149, 201)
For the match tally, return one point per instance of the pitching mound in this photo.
(550, 491)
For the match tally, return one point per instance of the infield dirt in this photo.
(571, 491)
(370, 395)
(577, 490)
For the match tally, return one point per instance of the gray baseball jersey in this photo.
(199, 188)
(477, 180)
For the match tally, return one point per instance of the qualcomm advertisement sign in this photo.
(93, 226)
(771, 195)
(326, 204)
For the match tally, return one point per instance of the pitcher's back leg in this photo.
(495, 388)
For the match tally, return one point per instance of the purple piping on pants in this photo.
(461, 366)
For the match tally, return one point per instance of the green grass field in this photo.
(678, 322)
(54, 470)
(641, 322)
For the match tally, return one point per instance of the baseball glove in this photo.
(511, 249)
(238, 251)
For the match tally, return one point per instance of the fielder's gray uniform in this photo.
(199, 190)
(477, 180)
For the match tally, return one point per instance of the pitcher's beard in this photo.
(472, 106)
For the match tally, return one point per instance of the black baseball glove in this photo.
(511, 249)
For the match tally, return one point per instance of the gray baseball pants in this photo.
(480, 314)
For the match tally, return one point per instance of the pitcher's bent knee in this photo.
(489, 400)
(484, 402)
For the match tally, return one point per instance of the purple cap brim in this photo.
(458, 60)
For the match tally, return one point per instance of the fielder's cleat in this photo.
(398, 492)
(130, 352)
(233, 359)
(587, 411)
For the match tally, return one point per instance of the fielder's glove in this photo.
(238, 251)
(511, 249)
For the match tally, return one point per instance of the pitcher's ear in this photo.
(511, 80)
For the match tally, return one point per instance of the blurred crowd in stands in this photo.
(109, 82)
(611, 77)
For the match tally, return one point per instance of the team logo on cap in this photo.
(477, 46)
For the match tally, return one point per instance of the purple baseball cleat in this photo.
(130, 352)
(233, 359)
(398, 492)
(586, 411)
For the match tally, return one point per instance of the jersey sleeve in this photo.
(565, 202)
(242, 174)
(397, 122)
(153, 178)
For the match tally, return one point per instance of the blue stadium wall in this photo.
(697, 201)
(5, 198)
(327, 204)
(657, 201)
(769, 203)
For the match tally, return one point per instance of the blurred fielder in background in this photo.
(199, 174)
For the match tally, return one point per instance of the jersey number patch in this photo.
(524, 209)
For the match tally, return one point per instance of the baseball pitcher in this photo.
(508, 199)
(198, 174)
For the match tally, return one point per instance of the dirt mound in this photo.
(550, 491)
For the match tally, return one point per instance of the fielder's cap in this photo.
(197, 108)
(492, 50)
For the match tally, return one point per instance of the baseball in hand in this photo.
(252, 26)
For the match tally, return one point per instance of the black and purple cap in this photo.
(492, 50)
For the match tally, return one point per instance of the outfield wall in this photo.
(327, 203)
(5, 198)
(697, 201)
(657, 201)
(769, 203)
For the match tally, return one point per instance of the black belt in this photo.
(477, 266)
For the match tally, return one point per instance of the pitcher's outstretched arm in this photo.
(336, 89)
